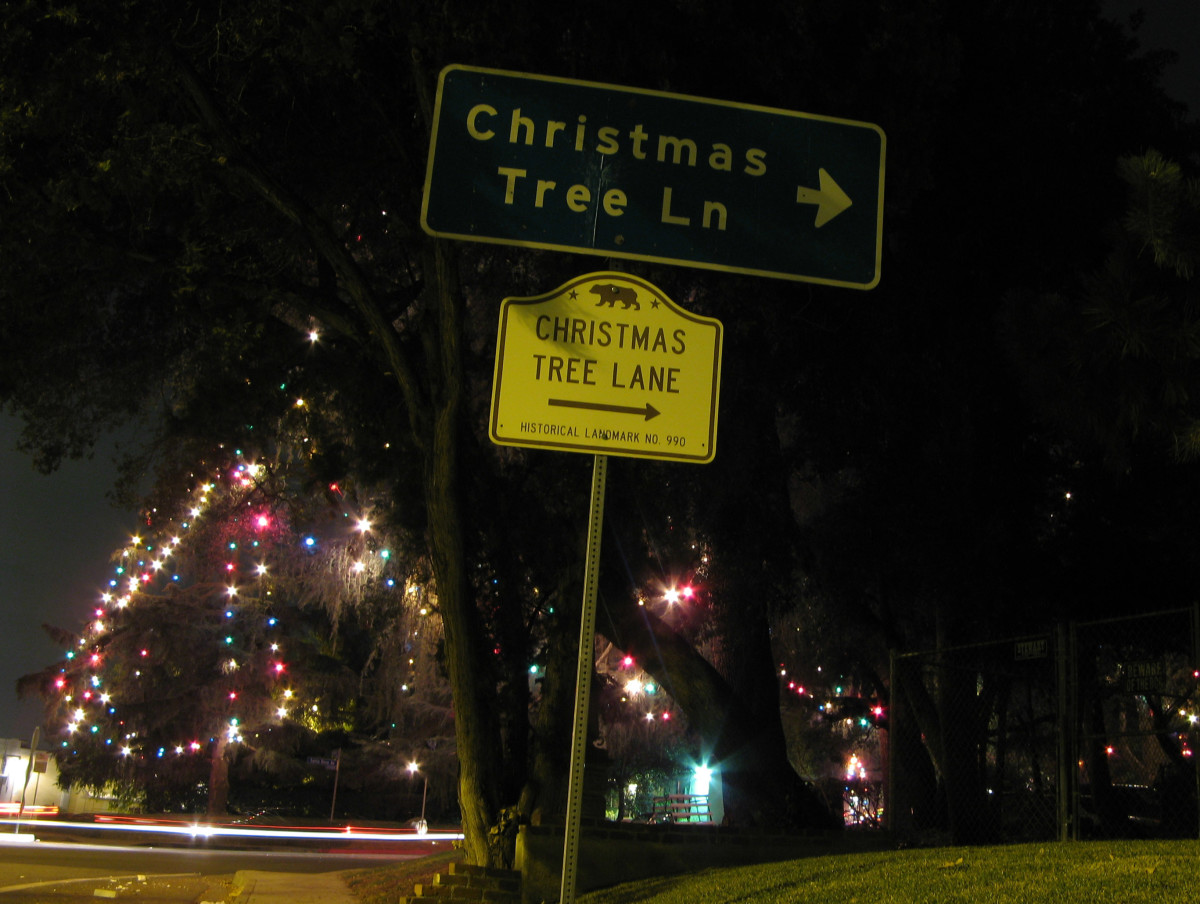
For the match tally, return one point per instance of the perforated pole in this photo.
(583, 683)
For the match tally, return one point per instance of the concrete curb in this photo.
(252, 886)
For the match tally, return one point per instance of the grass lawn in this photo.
(1084, 872)
(1117, 872)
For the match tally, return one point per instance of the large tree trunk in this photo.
(961, 712)
(743, 737)
(473, 710)
(544, 797)
(761, 787)
(218, 778)
(736, 709)
(475, 723)
(913, 795)
(953, 720)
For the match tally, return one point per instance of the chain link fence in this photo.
(1087, 732)
(1133, 704)
(973, 746)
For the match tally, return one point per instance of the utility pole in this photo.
(33, 744)
(337, 771)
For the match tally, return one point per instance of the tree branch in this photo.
(362, 297)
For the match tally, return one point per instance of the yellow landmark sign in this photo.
(607, 364)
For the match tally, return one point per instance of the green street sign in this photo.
(620, 172)
(607, 364)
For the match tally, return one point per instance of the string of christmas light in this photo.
(141, 569)
(236, 582)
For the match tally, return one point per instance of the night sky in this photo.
(58, 532)
(56, 536)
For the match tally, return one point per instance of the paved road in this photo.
(50, 873)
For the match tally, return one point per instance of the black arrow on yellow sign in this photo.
(648, 410)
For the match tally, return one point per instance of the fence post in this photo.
(1064, 667)
(1195, 735)
(889, 809)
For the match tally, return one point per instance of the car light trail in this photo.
(206, 830)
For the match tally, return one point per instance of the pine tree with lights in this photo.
(219, 643)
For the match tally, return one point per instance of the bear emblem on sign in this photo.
(610, 295)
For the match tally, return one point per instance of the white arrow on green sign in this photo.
(628, 173)
(607, 364)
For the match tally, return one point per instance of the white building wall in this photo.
(42, 789)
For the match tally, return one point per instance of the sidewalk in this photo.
(254, 886)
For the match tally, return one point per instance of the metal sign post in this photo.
(583, 682)
(607, 364)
